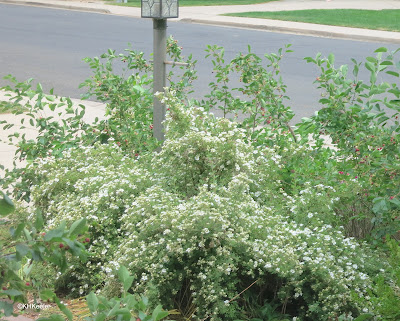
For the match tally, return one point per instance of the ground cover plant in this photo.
(232, 219)
(385, 19)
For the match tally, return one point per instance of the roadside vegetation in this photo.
(230, 219)
(7, 107)
(387, 19)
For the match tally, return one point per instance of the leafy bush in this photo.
(94, 182)
(362, 118)
(232, 220)
(205, 217)
(26, 245)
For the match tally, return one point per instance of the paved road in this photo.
(49, 44)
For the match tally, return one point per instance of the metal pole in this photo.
(159, 52)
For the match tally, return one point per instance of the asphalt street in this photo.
(49, 45)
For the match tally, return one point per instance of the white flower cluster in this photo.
(214, 239)
(94, 182)
(204, 216)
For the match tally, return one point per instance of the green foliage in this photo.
(61, 125)
(60, 130)
(28, 245)
(128, 98)
(6, 205)
(7, 107)
(126, 308)
(200, 203)
(262, 92)
(249, 220)
(387, 297)
(362, 120)
(96, 183)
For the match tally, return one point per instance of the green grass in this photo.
(191, 3)
(367, 19)
(7, 107)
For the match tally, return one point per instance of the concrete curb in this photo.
(56, 6)
(298, 31)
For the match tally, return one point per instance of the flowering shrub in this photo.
(213, 242)
(96, 183)
(202, 220)
(232, 216)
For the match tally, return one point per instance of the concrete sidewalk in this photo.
(213, 15)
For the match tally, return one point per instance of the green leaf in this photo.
(393, 73)
(128, 283)
(39, 220)
(12, 292)
(100, 317)
(395, 201)
(363, 317)
(46, 294)
(114, 309)
(27, 234)
(331, 59)
(156, 311)
(6, 205)
(77, 227)
(123, 273)
(8, 308)
(17, 232)
(381, 49)
(159, 314)
(324, 101)
(139, 89)
(28, 269)
(370, 66)
(56, 233)
(142, 315)
(373, 78)
(372, 60)
(123, 312)
(22, 249)
(380, 205)
(130, 301)
(92, 302)
(72, 246)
